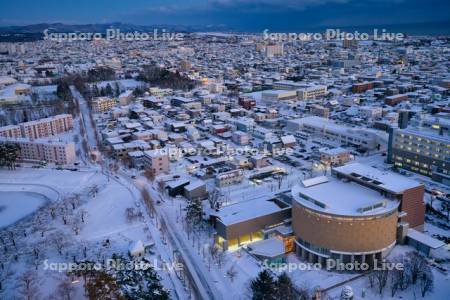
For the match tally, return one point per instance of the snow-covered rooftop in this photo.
(247, 210)
(272, 247)
(337, 197)
(424, 239)
(384, 179)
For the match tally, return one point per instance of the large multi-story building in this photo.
(47, 126)
(272, 50)
(363, 218)
(278, 95)
(312, 92)
(102, 104)
(361, 87)
(10, 131)
(424, 150)
(60, 153)
(344, 135)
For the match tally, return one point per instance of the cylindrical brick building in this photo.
(342, 221)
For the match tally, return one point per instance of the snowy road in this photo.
(204, 287)
(89, 130)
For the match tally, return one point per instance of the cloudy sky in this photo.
(238, 14)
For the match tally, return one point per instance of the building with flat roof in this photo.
(156, 161)
(102, 104)
(423, 150)
(60, 153)
(358, 214)
(312, 92)
(46, 127)
(10, 131)
(334, 157)
(408, 191)
(342, 134)
(245, 222)
(278, 95)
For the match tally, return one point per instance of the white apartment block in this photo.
(46, 127)
(60, 153)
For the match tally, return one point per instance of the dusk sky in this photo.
(238, 14)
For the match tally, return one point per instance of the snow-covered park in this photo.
(17, 205)
(73, 216)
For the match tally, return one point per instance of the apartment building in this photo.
(272, 50)
(102, 104)
(320, 111)
(423, 150)
(240, 138)
(10, 131)
(121, 150)
(312, 92)
(157, 161)
(60, 153)
(47, 126)
(361, 87)
(344, 135)
(395, 99)
(229, 178)
(334, 157)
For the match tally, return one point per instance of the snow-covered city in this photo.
(208, 161)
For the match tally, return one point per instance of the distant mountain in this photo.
(60, 27)
(35, 31)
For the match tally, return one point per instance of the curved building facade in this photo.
(342, 221)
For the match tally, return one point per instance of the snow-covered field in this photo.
(93, 227)
(17, 205)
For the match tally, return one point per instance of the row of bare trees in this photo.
(413, 271)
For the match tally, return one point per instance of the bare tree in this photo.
(371, 280)
(59, 240)
(426, 280)
(75, 201)
(381, 277)
(28, 285)
(76, 225)
(214, 199)
(93, 191)
(65, 289)
(148, 200)
(82, 215)
(416, 263)
(303, 293)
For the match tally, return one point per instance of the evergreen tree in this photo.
(285, 288)
(142, 283)
(108, 90)
(63, 90)
(117, 90)
(194, 211)
(264, 287)
(8, 155)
